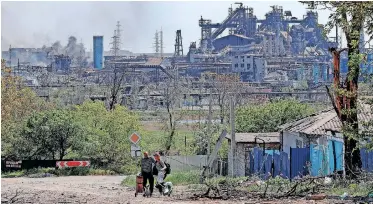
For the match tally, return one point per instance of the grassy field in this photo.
(154, 138)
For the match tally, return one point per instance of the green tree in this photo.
(49, 135)
(106, 133)
(267, 117)
(17, 104)
(353, 17)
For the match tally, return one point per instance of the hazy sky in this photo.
(34, 24)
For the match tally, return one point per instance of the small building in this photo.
(315, 129)
(250, 66)
(270, 141)
(322, 131)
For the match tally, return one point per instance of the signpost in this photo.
(135, 149)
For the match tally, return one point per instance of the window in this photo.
(242, 65)
(236, 65)
(248, 66)
(248, 57)
(242, 57)
(236, 57)
(299, 143)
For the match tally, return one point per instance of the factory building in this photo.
(251, 67)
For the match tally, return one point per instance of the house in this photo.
(318, 129)
(322, 132)
(246, 141)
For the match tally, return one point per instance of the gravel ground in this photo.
(99, 190)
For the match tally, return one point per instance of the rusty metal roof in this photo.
(318, 124)
(268, 137)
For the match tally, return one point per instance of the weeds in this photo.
(48, 172)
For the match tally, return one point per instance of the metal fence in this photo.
(367, 160)
(313, 160)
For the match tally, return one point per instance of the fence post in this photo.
(290, 171)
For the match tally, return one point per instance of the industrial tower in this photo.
(161, 41)
(158, 43)
(178, 44)
(116, 41)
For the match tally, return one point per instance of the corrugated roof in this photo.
(268, 137)
(318, 124)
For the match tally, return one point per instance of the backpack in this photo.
(168, 168)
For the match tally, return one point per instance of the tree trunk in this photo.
(172, 127)
(352, 153)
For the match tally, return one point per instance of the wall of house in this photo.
(290, 140)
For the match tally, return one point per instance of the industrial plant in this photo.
(268, 56)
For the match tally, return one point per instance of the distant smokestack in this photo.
(98, 51)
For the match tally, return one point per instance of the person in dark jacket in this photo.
(147, 171)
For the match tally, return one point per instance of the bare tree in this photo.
(172, 94)
(223, 85)
(115, 88)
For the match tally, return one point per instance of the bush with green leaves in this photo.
(105, 134)
(267, 117)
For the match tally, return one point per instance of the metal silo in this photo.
(98, 51)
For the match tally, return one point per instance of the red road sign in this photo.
(134, 138)
(62, 164)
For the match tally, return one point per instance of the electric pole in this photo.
(209, 132)
(233, 136)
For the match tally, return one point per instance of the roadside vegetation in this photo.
(51, 172)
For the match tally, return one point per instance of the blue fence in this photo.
(314, 160)
(299, 161)
(367, 160)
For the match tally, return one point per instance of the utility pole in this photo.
(233, 136)
(209, 126)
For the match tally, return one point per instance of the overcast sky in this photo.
(34, 24)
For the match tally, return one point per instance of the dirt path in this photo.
(95, 190)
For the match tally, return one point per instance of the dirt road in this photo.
(95, 190)
(77, 189)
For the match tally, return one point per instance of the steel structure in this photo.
(242, 21)
(178, 45)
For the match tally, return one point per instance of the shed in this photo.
(245, 141)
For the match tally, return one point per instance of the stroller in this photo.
(165, 188)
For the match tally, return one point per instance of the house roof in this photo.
(268, 137)
(318, 124)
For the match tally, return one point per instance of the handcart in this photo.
(139, 186)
